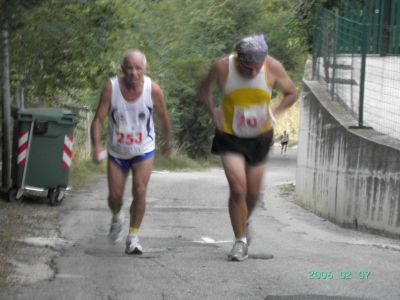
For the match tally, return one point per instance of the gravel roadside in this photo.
(28, 240)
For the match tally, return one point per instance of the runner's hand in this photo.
(166, 149)
(218, 119)
(98, 154)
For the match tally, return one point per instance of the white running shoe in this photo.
(115, 234)
(238, 252)
(132, 245)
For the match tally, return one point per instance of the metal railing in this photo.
(354, 70)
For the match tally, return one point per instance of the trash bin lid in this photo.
(60, 115)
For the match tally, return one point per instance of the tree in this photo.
(66, 49)
(305, 18)
(5, 92)
(60, 47)
(7, 18)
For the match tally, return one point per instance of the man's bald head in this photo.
(136, 54)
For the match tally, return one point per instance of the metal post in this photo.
(87, 130)
(19, 97)
(335, 43)
(22, 187)
(22, 97)
(364, 51)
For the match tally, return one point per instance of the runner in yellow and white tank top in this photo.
(244, 125)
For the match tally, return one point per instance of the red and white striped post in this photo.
(67, 153)
(23, 141)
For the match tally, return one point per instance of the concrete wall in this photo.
(350, 176)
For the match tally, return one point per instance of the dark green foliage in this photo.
(193, 125)
(54, 48)
(195, 134)
(305, 16)
(64, 50)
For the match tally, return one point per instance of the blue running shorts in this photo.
(125, 164)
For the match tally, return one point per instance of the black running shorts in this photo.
(254, 150)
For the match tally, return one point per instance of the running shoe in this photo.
(115, 234)
(132, 245)
(238, 252)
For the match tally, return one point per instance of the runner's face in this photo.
(248, 70)
(133, 69)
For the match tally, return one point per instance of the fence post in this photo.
(364, 51)
(87, 129)
(19, 98)
(335, 44)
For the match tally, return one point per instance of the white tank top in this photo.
(130, 123)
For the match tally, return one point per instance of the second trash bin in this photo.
(43, 152)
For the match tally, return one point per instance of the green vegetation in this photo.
(184, 162)
(86, 170)
(62, 51)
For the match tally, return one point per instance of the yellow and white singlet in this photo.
(246, 103)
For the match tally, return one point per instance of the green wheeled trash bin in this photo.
(42, 156)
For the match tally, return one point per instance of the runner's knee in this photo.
(252, 197)
(115, 198)
(140, 189)
(238, 192)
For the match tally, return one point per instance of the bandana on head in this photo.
(252, 49)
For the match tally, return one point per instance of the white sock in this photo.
(242, 239)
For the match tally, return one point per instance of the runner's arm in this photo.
(161, 110)
(97, 123)
(285, 84)
(206, 88)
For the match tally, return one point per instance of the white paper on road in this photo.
(208, 240)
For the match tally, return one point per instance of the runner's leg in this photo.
(234, 166)
(116, 186)
(254, 176)
(141, 172)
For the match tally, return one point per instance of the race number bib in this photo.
(129, 141)
(247, 121)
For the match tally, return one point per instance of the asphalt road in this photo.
(186, 235)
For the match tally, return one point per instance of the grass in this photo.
(179, 161)
(84, 169)
(287, 189)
